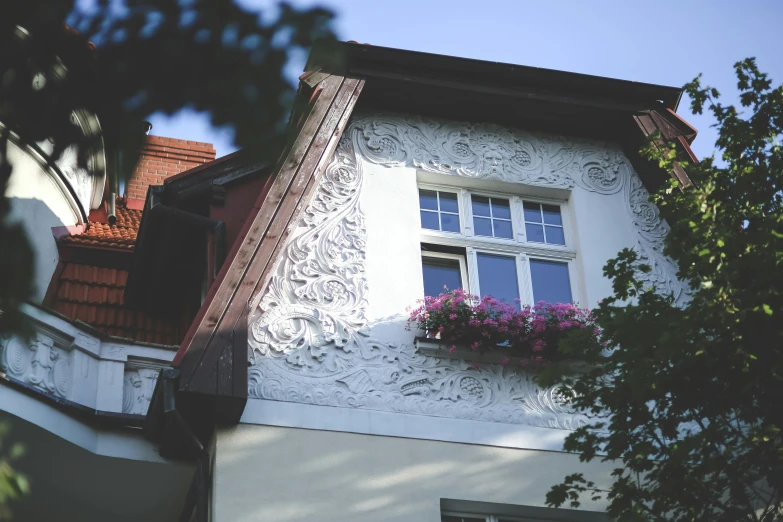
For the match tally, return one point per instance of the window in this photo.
(550, 281)
(511, 248)
(442, 271)
(543, 223)
(439, 210)
(498, 277)
(492, 217)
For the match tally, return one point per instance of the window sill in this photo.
(442, 349)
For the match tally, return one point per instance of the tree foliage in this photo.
(689, 403)
(123, 61)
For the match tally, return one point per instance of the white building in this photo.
(297, 392)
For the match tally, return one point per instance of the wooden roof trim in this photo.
(221, 324)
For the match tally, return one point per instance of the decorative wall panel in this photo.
(309, 336)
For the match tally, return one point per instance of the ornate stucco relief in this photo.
(309, 336)
(38, 363)
(138, 385)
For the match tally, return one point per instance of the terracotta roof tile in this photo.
(121, 235)
(96, 295)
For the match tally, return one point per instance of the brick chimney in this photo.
(161, 158)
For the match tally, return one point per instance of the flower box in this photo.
(485, 330)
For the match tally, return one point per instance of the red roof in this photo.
(95, 295)
(121, 235)
(92, 290)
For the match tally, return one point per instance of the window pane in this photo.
(554, 236)
(552, 215)
(550, 281)
(448, 202)
(498, 277)
(428, 199)
(480, 206)
(532, 212)
(482, 226)
(503, 229)
(439, 273)
(534, 233)
(429, 220)
(501, 208)
(449, 222)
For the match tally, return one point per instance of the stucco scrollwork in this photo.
(309, 338)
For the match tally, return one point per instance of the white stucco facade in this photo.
(45, 197)
(344, 402)
(292, 475)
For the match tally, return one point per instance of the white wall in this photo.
(599, 227)
(267, 473)
(330, 328)
(40, 202)
(368, 425)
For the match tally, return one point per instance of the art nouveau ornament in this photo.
(38, 363)
(309, 339)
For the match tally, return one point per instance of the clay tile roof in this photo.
(122, 235)
(95, 295)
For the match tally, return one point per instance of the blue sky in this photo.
(664, 42)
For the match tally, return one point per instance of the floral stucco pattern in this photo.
(309, 337)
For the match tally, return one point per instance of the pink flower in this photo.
(505, 361)
(452, 316)
(453, 348)
(524, 362)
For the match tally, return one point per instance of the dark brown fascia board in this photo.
(467, 74)
(220, 326)
(104, 257)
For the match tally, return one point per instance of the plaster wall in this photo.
(328, 334)
(598, 228)
(293, 475)
(40, 202)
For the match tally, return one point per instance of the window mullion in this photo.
(525, 281)
(517, 219)
(473, 278)
(466, 213)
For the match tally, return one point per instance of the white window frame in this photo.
(450, 190)
(518, 247)
(463, 271)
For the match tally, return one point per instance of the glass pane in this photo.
(449, 222)
(480, 206)
(534, 233)
(482, 226)
(428, 199)
(498, 277)
(429, 220)
(448, 202)
(554, 236)
(552, 215)
(532, 212)
(439, 273)
(451, 518)
(501, 208)
(503, 229)
(550, 281)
